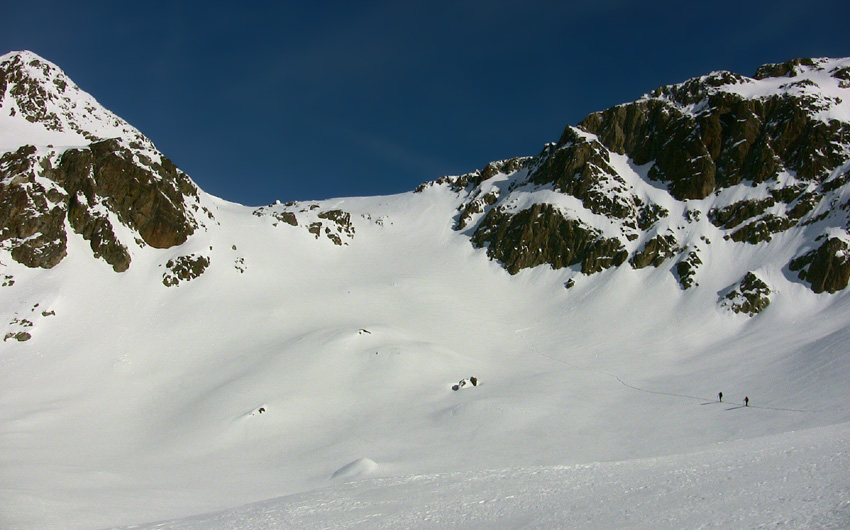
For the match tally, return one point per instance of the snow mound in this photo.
(359, 468)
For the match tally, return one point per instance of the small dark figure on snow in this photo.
(746, 401)
(720, 396)
(473, 380)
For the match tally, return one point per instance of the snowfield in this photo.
(787, 481)
(320, 375)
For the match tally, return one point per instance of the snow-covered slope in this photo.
(787, 481)
(307, 352)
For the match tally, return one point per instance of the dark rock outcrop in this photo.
(461, 182)
(687, 269)
(646, 131)
(184, 268)
(97, 230)
(84, 186)
(148, 197)
(103, 182)
(655, 252)
(827, 268)
(32, 217)
(698, 137)
(580, 167)
(475, 207)
(728, 139)
(751, 296)
(542, 235)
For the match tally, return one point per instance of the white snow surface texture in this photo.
(299, 383)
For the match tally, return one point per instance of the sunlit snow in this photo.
(299, 383)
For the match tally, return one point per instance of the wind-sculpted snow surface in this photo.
(168, 353)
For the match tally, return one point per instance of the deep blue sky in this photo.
(311, 100)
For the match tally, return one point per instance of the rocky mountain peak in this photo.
(39, 101)
(721, 159)
(66, 159)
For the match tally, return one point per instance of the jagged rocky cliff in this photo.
(633, 185)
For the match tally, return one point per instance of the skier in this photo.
(746, 401)
(720, 396)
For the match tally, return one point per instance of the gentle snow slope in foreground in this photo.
(135, 402)
(793, 480)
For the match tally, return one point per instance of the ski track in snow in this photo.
(708, 400)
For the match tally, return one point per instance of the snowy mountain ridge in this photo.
(762, 155)
(716, 158)
(169, 354)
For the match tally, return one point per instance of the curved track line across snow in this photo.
(673, 394)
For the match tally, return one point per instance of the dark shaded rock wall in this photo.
(728, 140)
(827, 268)
(542, 235)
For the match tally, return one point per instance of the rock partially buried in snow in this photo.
(472, 381)
(750, 296)
(257, 411)
(358, 468)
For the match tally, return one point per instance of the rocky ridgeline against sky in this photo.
(721, 158)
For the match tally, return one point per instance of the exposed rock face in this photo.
(97, 230)
(542, 235)
(827, 268)
(20, 336)
(722, 159)
(751, 296)
(343, 226)
(580, 166)
(32, 214)
(145, 195)
(459, 183)
(645, 131)
(35, 91)
(687, 269)
(93, 188)
(474, 207)
(702, 138)
(655, 252)
(334, 224)
(750, 218)
(781, 140)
